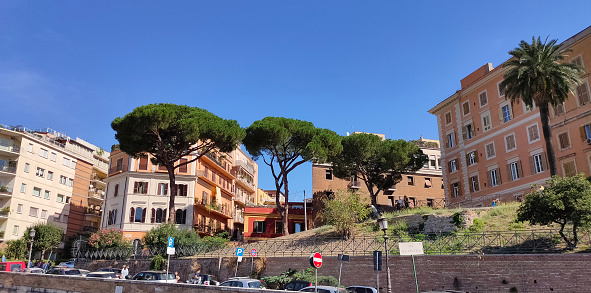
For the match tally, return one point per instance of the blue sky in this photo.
(372, 66)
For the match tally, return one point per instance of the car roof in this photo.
(103, 273)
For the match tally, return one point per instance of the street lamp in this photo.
(32, 236)
(383, 222)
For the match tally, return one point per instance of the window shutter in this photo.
(114, 217)
(165, 189)
(184, 216)
(185, 188)
(468, 159)
(470, 184)
(489, 179)
(146, 188)
(449, 167)
(159, 188)
(532, 166)
(464, 133)
(476, 183)
(153, 218)
(164, 216)
(476, 156)
(544, 162)
(131, 215)
(135, 185)
(519, 169)
(145, 211)
(499, 176)
(510, 178)
(583, 133)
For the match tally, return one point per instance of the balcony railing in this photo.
(246, 181)
(10, 148)
(211, 176)
(247, 167)
(119, 168)
(239, 219)
(98, 194)
(8, 169)
(90, 229)
(5, 190)
(90, 211)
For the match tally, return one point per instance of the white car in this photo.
(155, 276)
(243, 283)
(323, 289)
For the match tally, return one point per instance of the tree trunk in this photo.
(547, 132)
(173, 190)
(284, 216)
(569, 245)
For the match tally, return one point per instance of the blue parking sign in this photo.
(170, 242)
(239, 251)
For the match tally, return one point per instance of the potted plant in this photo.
(5, 211)
(3, 189)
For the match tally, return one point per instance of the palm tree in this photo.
(537, 74)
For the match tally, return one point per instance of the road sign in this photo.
(170, 242)
(253, 252)
(411, 248)
(239, 251)
(170, 250)
(377, 260)
(343, 257)
(240, 258)
(316, 260)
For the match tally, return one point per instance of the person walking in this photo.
(124, 272)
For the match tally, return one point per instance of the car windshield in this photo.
(255, 284)
(163, 276)
(72, 272)
(105, 270)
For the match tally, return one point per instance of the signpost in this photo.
(239, 253)
(316, 262)
(377, 265)
(342, 258)
(253, 253)
(412, 249)
(169, 250)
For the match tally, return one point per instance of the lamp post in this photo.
(383, 222)
(32, 236)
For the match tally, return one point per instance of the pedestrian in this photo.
(124, 272)
(406, 202)
(400, 203)
(198, 276)
(177, 277)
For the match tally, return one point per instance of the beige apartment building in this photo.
(493, 149)
(212, 193)
(422, 188)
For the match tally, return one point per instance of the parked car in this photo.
(361, 289)
(102, 275)
(204, 279)
(64, 271)
(11, 266)
(111, 270)
(84, 272)
(155, 276)
(69, 264)
(241, 282)
(32, 271)
(296, 285)
(323, 289)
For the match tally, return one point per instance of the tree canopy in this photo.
(344, 210)
(378, 162)
(538, 75)
(47, 237)
(567, 200)
(169, 132)
(284, 144)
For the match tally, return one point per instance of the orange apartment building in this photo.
(211, 193)
(423, 187)
(264, 221)
(495, 150)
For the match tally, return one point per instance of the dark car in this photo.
(296, 285)
(111, 270)
(204, 279)
(102, 275)
(64, 271)
(155, 276)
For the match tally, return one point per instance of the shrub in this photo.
(108, 238)
(16, 249)
(457, 219)
(344, 210)
(477, 225)
(158, 262)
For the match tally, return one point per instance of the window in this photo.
(46, 194)
(27, 166)
(328, 174)
(447, 118)
(466, 108)
(278, 227)
(455, 189)
(527, 108)
(140, 188)
(23, 188)
(37, 191)
(585, 132)
(450, 140)
(570, 169)
(66, 162)
(52, 157)
(514, 170)
(183, 168)
(578, 61)
(537, 163)
(428, 183)
(73, 165)
(57, 217)
(43, 153)
(181, 189)
(142, 163)
(181, 216)
(494, 177)
(205, 198)
(510, 142)
(468, 131)
(116, 192)
(453, 166)
(411, 180)
(119, 166)
(472, 158)
(298, 227)
(30, 148)
(162, 189)
(49, 175)
(583, 93)
(15, 230)
(506, 115)
(60, 198)
(33, 212)
(43, 214)
(474, 187)
(63, 180)
(137, 215)
(501, 90)
(486, 122)
(19, 209)
(559, 109)
(68, 199)
(158, 215)
(40, 172)
(70, 182)
(563, 140)
(432, 163)
(533, 134)
(112, 217)
(483, 99)
(259, 227)
(490, 150)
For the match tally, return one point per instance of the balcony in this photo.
(5, 192)
(96, 194)
(98, 181)
(241, 199)
(223, 210)
(354, 184)
(4, 213)
(10, 150)
(90, 212)
(392, 188)
(238, 219)
(7, 169)
(246, 182)
(246, 166)
(211, 177)
(118, 169)
(218, 163)
(90, 229)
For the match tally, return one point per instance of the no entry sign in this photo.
(253, 252)
(316, 260)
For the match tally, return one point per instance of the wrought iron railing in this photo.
(460, 243)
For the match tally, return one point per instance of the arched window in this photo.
(180, 216)
(131, 214)
(159, 215)
(138, 215)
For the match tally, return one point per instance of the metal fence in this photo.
(516, 242)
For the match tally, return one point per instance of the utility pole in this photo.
(305, 213)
